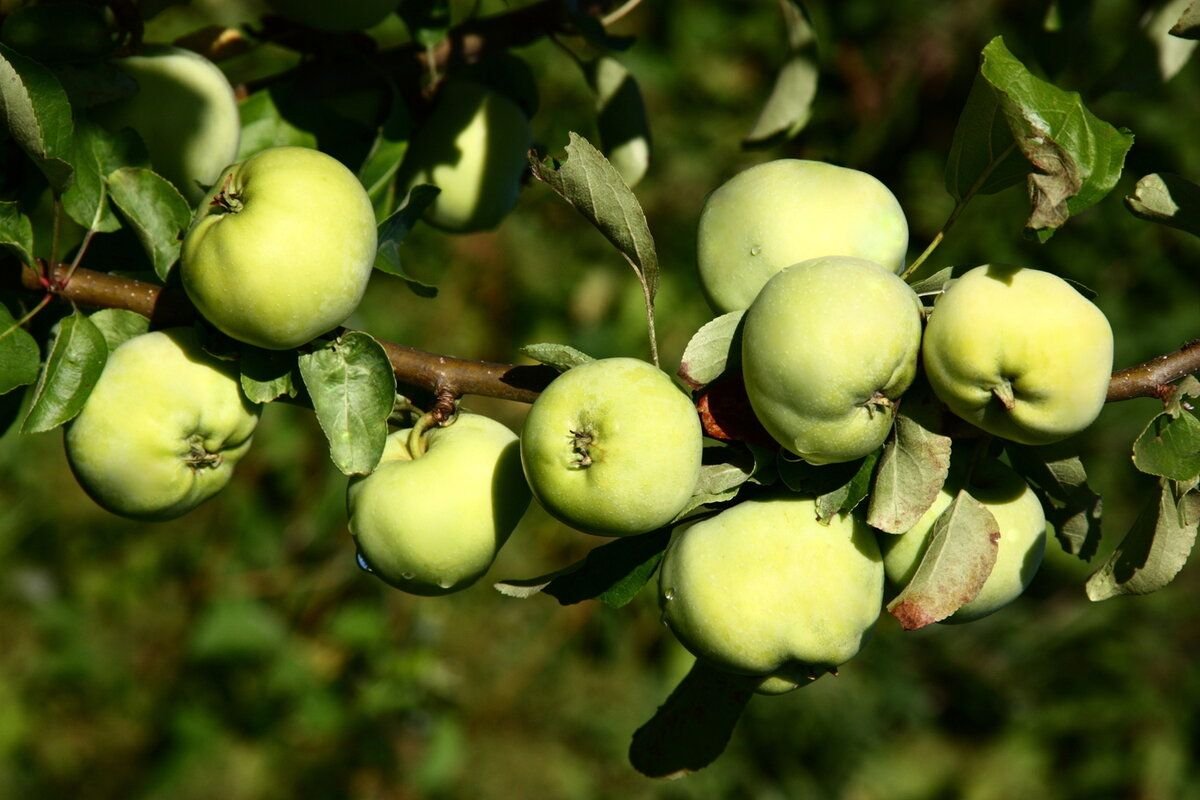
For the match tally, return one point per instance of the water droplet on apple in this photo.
(669, 594)
(408, 576)
(362, 562)
(756, 249)
(445, 583)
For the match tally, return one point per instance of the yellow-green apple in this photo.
(281, 248)
(1019, 353)
(828, 346)
(1020, 549)
(433, 523)
(782, 212)
(162, 429)
(763, 588)
(185, 112)
(335, 15)
(612, 447)
(473, 148)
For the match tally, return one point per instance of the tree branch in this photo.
(437, 374)
(1153, 378)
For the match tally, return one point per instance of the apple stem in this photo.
(1004, 393)
(580, 441)
(416, 436)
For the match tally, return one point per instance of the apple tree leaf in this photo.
(38, 115)
(1155, 548)
(936, 282)
(378, 171)
(1172, 51)
(155, 209)
(118, 326)
(353, 389)
(393, 231)
(95, 83)
(263, 127)
(1188, 25)
(267, 375)
(983, 157)
(595, 188)
(77, 356)
(16, 232)
(846, 497)
(96, 154)
(711, 350)
(789, 107)
(911, 472)
(1169, 447)
(612, 573)
(691, 729)
(1168, 200)
(1060, 482)
(620, 118)
(19, 356)
(814, 481)
(560, 356)
(958, 559)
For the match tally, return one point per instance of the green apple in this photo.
(185, 112)
(1021, 547)
(473, 148)
(612, 447)
(763, 588)
(335, 15)
(433, 524)
(780, 213)
(1019, 353)
(828, 346)
(162, 429)
(281, 249)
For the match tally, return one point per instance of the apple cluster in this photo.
(831, 338)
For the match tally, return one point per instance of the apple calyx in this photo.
(200, 458)
(1004, 393)
(878, 402)
(580, 442)
(228, 200)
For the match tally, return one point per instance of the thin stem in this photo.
(562, 46)
(619, 14)
(416, 436)
(650, 323)
(55, 231)
(45, 301)
(87, 237)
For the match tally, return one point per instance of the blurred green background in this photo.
(239, 652)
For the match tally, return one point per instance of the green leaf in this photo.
(353, 389)
(789, 107)
(38, 115)
(1168, 200)
(560, 356)
(96, 154)
(1170, 445)
(77, 356)
(155, 209)
(846, 497)
(118, 326)
(95, 83)
(263, 126)
(612, 573)
(1060, 481)
(268, 374)
(711, 350)
(983, 156)
(378, 172)
(620, 118)
(594, 187)
(1154, 550)
(16, 232)
(912, 470)
(393, 231)
(813, 481)
(428, 21)
(691, 729)
(1077, 157)
(1188, 25)
(19, 356)
(1173, 51)
(723, 467)
(960, 556)
(934, 283)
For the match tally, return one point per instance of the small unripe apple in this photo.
(473, 148)
(162, 429)
(1019, 552)
(780, 213)
(185, 112)
(612, 447)
(1019, 353)
(763, 588)
(828, 346)
(433, 524)
(281, 249)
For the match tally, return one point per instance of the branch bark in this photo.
(441, 374)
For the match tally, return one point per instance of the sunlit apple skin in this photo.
(763, 588)
(433, 525)
(612, 447)
(828, 346)
(335, 15)
(281, 249)
(162, 429)
(1019, 552)
(783, 212)
(185, 112)
(473, 147)
(1019, 353)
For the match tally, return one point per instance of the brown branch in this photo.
(437, 374)
(1153, 378)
